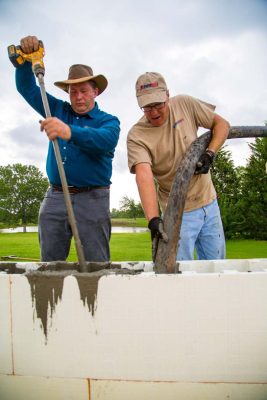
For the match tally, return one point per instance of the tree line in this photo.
(22, 188)
(242, 194)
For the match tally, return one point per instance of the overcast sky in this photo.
(215, 50)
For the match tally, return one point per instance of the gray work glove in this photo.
(157, 232)
(204, 162)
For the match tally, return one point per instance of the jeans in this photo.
(91, 210)
(202, 230)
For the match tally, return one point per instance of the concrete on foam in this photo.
(201, 331)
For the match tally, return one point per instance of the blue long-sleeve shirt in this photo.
(87, 156)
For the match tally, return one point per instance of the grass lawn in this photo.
(124, 247)
(140, 222)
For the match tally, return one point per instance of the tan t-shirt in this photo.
(164, 148)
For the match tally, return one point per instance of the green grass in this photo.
(20, 244)
(124, 247)
(246, 249)
(138, 222)
(130, 247)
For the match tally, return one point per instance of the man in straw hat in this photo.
(87, 138)
(156, 145)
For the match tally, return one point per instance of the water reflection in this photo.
(128, 229)
(115, 229)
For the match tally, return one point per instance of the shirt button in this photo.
(64, 148)
(77, 117)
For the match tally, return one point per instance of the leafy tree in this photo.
(228, 187)
(22, 188)
(115, 213)
(253, 202)
(130, 208)
(223, 174)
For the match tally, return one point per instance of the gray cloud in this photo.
(25, 144)
(28, 134)
(212, 49)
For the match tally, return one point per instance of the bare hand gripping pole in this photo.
(17, 57)
(165, 261)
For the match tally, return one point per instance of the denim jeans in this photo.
(91, 210)
(202, 230)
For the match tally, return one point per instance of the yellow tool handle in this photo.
(18, 57)
(14, 56)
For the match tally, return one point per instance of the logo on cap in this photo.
(149, 85)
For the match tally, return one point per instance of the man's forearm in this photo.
(147, 190)
(220, 133)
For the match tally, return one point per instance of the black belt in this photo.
(75, 190)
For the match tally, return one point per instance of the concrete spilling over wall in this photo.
(124, 332)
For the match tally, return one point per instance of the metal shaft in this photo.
(71, 216)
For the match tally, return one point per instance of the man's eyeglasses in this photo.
(157, 106)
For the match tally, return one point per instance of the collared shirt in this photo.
(165, 146)
(87, 156)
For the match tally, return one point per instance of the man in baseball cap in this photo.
(157, 144)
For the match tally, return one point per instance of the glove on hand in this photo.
(157, 232)
(204, 162)
(156, 227)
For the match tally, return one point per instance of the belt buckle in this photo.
(72, 189)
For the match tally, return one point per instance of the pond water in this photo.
(115, 229)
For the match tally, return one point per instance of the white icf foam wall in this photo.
(200, 334)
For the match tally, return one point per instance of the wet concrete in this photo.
(47, 280)
(46, 290)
